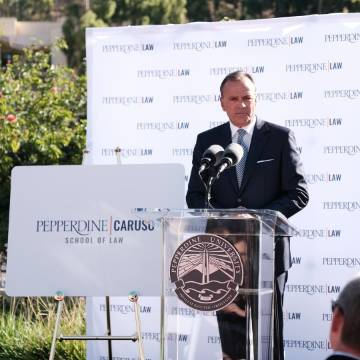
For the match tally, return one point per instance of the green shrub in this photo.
(27, 325)
(42, 118)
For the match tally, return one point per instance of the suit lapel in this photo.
(258, 141)
(223, 138)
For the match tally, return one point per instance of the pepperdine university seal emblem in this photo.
(207, 271)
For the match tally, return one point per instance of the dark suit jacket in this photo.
(276, 184)
(273, 177)
(340, 357)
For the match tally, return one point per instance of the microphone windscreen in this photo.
(235, 152)
(214, 153)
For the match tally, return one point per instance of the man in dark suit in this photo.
(345, 325)
(270, 175)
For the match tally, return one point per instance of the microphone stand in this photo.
(208, 182)
(209, 178)
(230, 157)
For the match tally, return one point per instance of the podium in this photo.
(218, 271)
(212, 269)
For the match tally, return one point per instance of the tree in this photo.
(27, 9)
(144, 12)
(214, 10)
(110, 12)
(42, 118)
(78, 19)
(298, 7)
(104, 9)
(199, 10)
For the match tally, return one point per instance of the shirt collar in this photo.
(248, 128)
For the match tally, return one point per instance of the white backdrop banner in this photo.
(152, 89)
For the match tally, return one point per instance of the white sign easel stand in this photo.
(133, 297)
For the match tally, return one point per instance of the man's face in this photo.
(238, 101)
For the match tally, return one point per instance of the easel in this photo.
(133, 297)
(57, 336)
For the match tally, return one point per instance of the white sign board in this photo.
(72, 228)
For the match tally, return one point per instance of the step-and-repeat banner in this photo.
(152, 89)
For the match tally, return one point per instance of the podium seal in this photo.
(207, 271)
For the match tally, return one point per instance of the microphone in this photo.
(232, 156)
(211, 157)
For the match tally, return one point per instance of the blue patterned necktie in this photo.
(240, 167)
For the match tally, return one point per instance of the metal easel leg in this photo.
(60, 304)
(134, 299)
(108, 325)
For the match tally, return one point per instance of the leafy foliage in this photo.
(214, 10)
(104, 9)
(27, 324)
(42, 118)
(74, 32)
(145, 12)
(27, 9)
(114, 12)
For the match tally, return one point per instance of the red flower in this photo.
(11, 118)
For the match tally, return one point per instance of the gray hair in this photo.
(235, 76)
(348, 303)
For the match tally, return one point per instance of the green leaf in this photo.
(48, 129)
(15, 145)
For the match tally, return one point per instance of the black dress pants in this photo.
(232, 328)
